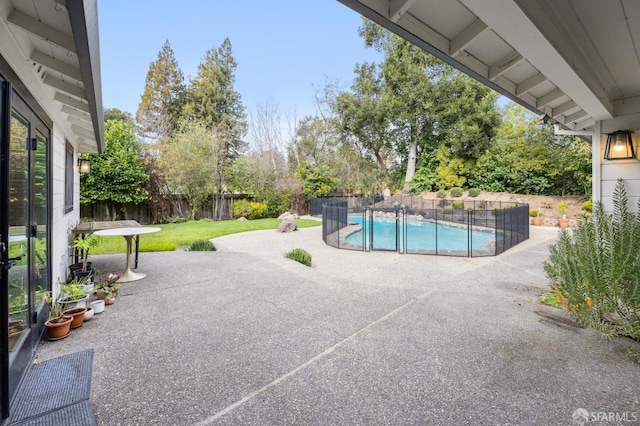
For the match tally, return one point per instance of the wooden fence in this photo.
(173, 206)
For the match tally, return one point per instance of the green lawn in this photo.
(176, 235)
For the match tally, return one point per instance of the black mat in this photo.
(56, 392)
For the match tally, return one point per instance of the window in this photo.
(68, 180)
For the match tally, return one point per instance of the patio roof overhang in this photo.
(59, 40)
(575, 60)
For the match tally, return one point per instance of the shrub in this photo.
(249, 209)
(474, 192)
(588, 205)
(562, 207)
(441, 193)
(456, 192)
(173, 219)
(202, 245)
(534, 212)
(299, 255)
(509, 206)
(594, 271)
(458, 204)
(448, 208)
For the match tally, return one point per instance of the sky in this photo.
(286, 50)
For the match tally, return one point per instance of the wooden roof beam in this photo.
(42, 30)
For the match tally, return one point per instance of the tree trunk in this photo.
(411, 159)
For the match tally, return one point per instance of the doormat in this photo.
(56, 392)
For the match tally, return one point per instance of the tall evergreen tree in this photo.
(161, 102)
(213, 101)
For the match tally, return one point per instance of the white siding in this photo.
(61, 223)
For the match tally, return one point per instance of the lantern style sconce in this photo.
(84, 166)
(619, 146)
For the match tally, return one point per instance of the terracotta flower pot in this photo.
(58, 328)
(78, 316)
(109, 300)
(536, 221)
(563, 223)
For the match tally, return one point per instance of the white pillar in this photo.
(596, 163)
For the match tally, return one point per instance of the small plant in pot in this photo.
(58, 325)
(109, 290)
(562, 208)
(536, 220)
(82, 244)
(73, 294)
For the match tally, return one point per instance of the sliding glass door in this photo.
(25, 212)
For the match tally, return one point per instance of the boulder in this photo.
(242, 219)
(287, 225)
(286, 215)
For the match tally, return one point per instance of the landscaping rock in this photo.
(287, 215)
(242, 219)
(287, 225)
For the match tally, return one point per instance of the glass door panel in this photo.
(19, 291)
(39, 222)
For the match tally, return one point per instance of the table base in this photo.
(129, 275)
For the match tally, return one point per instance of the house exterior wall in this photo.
(612, 170)
(61, 223)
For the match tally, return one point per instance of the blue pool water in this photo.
(421, 235)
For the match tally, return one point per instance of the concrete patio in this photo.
(245, 336)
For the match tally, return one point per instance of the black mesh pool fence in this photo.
(446, 227)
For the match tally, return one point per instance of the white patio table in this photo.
(128, 233)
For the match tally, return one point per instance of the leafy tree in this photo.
(467, 116)
(408, 90)
(530, 159)
(451, 171)
(161, 102)
(193, 160)
(262, 171)
(117, 114)
(364, 118)
(213, 101)
(411, 104)
(315, 140)
(317, 181)
(118, 174)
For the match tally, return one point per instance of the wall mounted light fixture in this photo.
(619, 146)
(84, 166)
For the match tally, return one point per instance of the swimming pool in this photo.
(382, 233)
(435, 227)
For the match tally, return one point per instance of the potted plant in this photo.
(536, 220)
(109, 290)
(562, 208)
(77, 316)
(58, 325)
(73, 294)
(82, 244)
